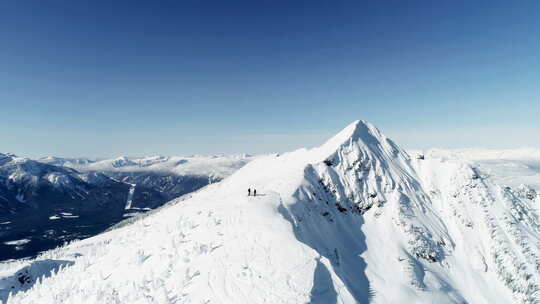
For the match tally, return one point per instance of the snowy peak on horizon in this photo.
(217, 166)
(5, 157)
(360, 132)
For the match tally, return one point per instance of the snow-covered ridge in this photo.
(24, 170)
(487, 154)
(518, 169)
(6, 157)
(218, 166)
(354, 221)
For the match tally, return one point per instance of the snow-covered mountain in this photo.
(171, 176)
(27, 185)
(50, 201)
(216, 166)
(356, 220)
(518, 169)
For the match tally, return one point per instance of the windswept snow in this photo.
(27, 276)
(354, 221)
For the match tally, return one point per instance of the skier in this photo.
(249, 191)
(254, 192)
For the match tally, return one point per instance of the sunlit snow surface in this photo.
(506, 167)
(356, 220)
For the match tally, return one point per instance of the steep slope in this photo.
(353, 221)
(496, 233)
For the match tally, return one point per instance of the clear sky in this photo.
(106, 78)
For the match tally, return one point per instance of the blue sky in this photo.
(107, 78)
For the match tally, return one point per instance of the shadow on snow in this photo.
(323, 291)
(27, 276)
(341, 242)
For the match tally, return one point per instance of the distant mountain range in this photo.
(52, 200)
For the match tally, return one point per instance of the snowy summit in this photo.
(356, 220)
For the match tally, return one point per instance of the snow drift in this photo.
(356, 220)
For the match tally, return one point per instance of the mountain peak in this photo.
(6, 158)
(7, 154)
(359, 132)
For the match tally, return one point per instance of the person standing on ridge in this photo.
(254, 192)
(249, 191)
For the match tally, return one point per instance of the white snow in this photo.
(130, 196)
(354, 221)
(62, 215)
(17, 242)
(219, 166)
(506, 167)
(59, 179)
(136, 208)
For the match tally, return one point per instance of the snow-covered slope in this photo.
(518, 169)
(353, 221)
(506, 167)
